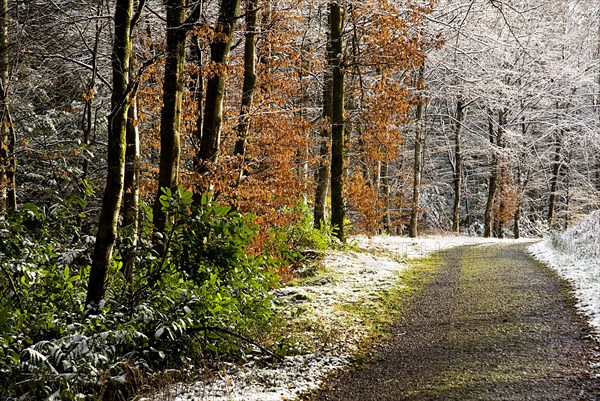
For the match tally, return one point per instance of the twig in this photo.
(12, 284)
(238, 336)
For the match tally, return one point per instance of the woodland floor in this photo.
(493, 325)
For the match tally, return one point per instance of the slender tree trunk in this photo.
(131, 196)
(417, 164)
(111, 203)
(597, 101)
(88, 119)
(170, 117)
(12, 163)
(458, 163)
(500, 221)
(554, 178)
(488, 221)
(385, 192)
(198, 92)
(336, 62)
(249, 84)
(567, 175)
(8, 197)
(517, 221)
(324, 171)
(215, 88)
(417, 174)
(502, 181)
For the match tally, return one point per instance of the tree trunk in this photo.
(336, 63)
(501, 180)
(248, 87)
(88, 120)
(500, 226)
(198, 92)
(554, 178)
(12, 163)
(457, 167)
(249, 84)
(215, 88)
(111, 202)
(488, 221)
(385, 192)
(131, 193)
(324, 170)
(8, 198)
(417, 164)
(597, 101)
(517, 222)
(567, 181)
(170, 117)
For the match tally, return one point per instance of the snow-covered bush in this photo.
(581, 240)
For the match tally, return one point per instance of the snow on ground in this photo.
(574, 255)
(348, 277)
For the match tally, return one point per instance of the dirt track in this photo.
(493, 325)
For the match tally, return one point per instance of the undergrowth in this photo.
(208, 299)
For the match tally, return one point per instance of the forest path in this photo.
(493, 325)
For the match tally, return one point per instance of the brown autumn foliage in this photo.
(389, 44)
(385, 43)
(506, 200)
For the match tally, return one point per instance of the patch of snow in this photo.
(350, 277)
(574, 256)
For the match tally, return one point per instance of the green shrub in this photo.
(293, 242)
(206, 296)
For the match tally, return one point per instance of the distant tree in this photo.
(458, 165)
(495, 136)
(418, 158)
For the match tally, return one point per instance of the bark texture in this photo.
(249, 84)
(131, 191)
(215, 88)
(170, 118)
(111, 202)
(417, 164)
(458, 167)
(324, 168)
(337, 121)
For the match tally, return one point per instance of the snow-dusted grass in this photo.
(348, 279)
(575, 255)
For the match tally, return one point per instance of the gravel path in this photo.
(493, 325)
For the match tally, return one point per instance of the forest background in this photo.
(166, 164)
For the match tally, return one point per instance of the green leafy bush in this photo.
(197, 294)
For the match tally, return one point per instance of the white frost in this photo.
(351, 276)
(574, 255)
